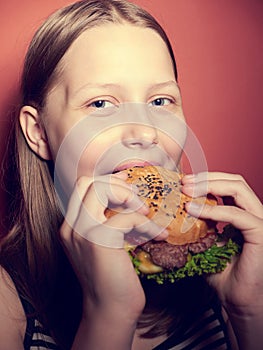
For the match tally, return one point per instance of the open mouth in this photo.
(133, 164)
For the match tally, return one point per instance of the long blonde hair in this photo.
(39, 210)
(31, 252)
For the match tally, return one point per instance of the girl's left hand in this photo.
(240, 285)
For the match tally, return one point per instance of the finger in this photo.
(239, 190)
(137, 225)
(120, 175)
(213, 175)
(98, 197)
(103, 195)
(82, 186)
(74, 205)
(132, 227)
(249, 224)
(203, 177)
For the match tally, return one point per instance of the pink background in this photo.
(219, 50)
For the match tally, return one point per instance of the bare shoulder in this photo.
(12, 316)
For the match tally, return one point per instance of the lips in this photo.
(133, 164)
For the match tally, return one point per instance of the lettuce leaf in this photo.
(213, 260)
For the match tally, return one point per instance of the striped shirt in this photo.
(36, 336)
(208, 333)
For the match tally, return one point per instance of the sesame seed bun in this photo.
(160, 189)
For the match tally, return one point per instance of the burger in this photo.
(193, 246)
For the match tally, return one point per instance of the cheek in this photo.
(89, 158)
(56, 130)
(55, 142)
(172, 132)
(94, 151)
(172, 147)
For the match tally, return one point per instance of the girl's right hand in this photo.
(94, 244)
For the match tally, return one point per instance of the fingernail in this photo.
(188, 186)
(121, 175)
(188, 178)
(163, 235)
(145, 209)
(193, 208)
(139, 205)
(135, 189)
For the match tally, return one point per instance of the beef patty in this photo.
(170, 256)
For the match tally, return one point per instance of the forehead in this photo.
(114, 52)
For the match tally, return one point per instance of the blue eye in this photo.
(160, 102)
(101, 104)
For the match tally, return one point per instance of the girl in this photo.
(58, 289)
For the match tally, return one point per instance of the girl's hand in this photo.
(94, 245)
(240, 285)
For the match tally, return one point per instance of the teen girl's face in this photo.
(108, 67)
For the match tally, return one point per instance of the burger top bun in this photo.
(160, 189)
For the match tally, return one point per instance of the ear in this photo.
(34, 132)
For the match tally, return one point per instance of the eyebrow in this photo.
(105, 86)
(169, 83)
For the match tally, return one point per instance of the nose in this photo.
(139, 131)
(139, 136)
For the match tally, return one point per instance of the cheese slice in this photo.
(146, 265)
